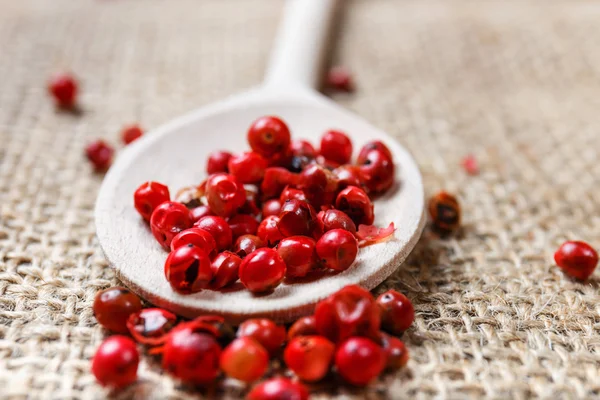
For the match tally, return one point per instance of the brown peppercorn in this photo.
(445, 212)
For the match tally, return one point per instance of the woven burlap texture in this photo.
(517, 84)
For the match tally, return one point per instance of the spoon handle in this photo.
(300, 44)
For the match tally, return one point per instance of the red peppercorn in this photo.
(100, 155)
(359, 360)
(246, 244)
(279, 389)
(225, 269)
(291, 194)
(63, 88)
(131, 133)
(197, 237)
(199, 212)
(266, 332)
(337, 249)
(299, 255)
(243, 224)
(303, 148)
(113, 306)
(188, 269)
(149, 196)
(445, 212)
(244, 359)
(397, 312)
(275, 180)
(262, 270)
(151, 325)
(297, 217)
(309, 357)
(347, 175)
(339, 78)
(167, 220)
(336, 146)
(305, 326)
(356, 204)
(395, 351)
(268, 136)
(377, 172)
(470, 165)
(191, 196)
(225, 194)
(116, 362)
(336, 219)
(271, 207)
(217, 162)
(219, 229)
(248, 167)
(576, 259)
(268, 231)
(373, 145)
(351, 311)
(318, 184)
(191, 355)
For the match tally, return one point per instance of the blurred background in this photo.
(513, 83)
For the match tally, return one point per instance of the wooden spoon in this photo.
(175, 154)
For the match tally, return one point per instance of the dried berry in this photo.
(116, 362)
(445, 212)
(188, 269)
(113, 306)
(576, 259)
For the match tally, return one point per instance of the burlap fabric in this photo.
(517, 84)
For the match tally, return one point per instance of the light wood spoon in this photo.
(175, 154)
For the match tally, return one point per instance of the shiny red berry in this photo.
(113, 306)
(309, 357)
(356, 204)
(279, 389)
(268, 136)
(377, 172)
(188, 269)
(198, 212)
(197, 237)
(275, 180)
(336, 219)
(318, 184)
(337, 249)
(242, 224)
(304, 148)
(359, 360)
(149, 196)
(225, 194)
(297, 217)
(305, 326)
(167, 220)
(397, 312)
(248, 167)
(266, 332)
(395, 351)
(116, 362)
(191, 355)
(576, 259)
(151, 325)
(339, 78)
(271, 207)
(100, 154)
(351, 311)
(347, 175)
(336, 146)
(370, 146)
(63, 88)
(244, 359)
(225, 269)
(217, 162)
(131, 133)
(299, 255)
(246, 244)
(268, 231)
(262, 270)
(445, 212)
(290, 193)
(219, 229)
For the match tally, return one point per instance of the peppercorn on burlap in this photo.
(517, 84)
